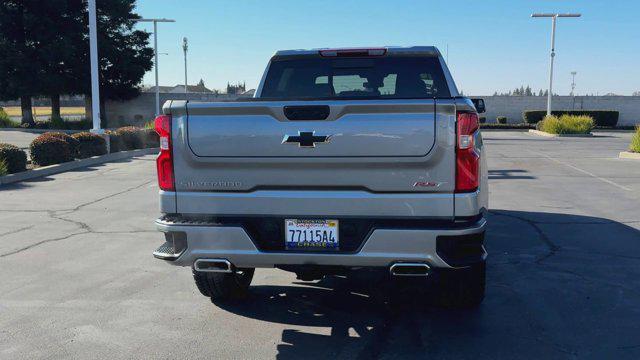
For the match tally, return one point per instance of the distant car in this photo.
(345, 158)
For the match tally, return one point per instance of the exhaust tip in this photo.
(410, 269)
(213, 265)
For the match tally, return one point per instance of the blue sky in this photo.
(493, 44)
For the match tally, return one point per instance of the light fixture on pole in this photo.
(184, 48)
(553, 17)
(93, 59)
(155, 52)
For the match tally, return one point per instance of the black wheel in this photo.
(224, 286)
(461, 288)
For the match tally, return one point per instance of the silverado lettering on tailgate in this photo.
(204, 185)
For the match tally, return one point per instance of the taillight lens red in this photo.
(467, 153)
(164, 162)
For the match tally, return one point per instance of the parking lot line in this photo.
(581, 170)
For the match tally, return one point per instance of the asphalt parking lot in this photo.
(79, 281)
(21, 139)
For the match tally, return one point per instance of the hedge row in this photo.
(60, 124)
(56, 147)
(14, 158)
(131, 138)
(606, 118)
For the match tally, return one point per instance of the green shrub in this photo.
(47, 150)
(115, 141)
(635, 141)
(90, 144)
(4, 170)
(501, 119)
(151, 138)
(5, 120)
(73, 143)
(6, 123)
(482, 119)
(130, 138)
(150, 125)
(14, 157)
(605, 118)
(567, 124)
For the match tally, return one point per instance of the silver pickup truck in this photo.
(345, 158)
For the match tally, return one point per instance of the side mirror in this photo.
(479, 104)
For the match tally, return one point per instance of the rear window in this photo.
(390, 77)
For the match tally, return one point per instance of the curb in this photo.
(72, 165)
(507, 129)
(629, 155)
(546, 134)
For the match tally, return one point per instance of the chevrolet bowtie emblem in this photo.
(305, 139)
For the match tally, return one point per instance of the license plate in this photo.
(306, 234)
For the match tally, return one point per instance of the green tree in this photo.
(60, 52)
(22, 23)
(49, 54)
(124, 54)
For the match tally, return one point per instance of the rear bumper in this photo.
(438, 246)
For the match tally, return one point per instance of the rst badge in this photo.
(426, 184)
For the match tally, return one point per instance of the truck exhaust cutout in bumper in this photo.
(213, 265)
(410, 269)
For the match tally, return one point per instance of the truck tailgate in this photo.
(373, 146)
(362, 128)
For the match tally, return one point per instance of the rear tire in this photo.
(461, 288)
(224, 286)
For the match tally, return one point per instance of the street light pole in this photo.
(573, 87)
(155, 51)
(93, 59)
(185, 47)
(553, 17)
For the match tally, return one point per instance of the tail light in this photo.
(164, 162)
(467, 153)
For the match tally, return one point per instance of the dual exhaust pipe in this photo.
(396, 269)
